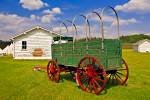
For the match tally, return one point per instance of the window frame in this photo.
(24, 45)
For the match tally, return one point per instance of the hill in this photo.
(134, 38)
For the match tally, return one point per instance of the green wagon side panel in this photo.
(113, 53)
(71, 54)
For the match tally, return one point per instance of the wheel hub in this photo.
(90, 71)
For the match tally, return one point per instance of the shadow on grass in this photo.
(69, 77)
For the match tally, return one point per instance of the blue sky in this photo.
(19, 15)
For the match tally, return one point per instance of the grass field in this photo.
(18, 81)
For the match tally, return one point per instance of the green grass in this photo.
(18, 81)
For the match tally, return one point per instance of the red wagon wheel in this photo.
(91, 76)
(120, 75)
(53, 71)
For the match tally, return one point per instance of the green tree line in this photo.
(3, 44)
(129, 39)
(134, 38)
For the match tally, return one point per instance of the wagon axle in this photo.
(90, 76)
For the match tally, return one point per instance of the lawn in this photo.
(18, 81)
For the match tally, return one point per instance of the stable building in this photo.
(34, 43)
(142, 46)
(8, 49)
(1, 52)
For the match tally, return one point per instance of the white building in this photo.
(34, 43)
(60, 41)
(1, 52)
(142, 46)
(8, 49)
(11, 47)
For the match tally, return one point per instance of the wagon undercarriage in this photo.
(90, 77)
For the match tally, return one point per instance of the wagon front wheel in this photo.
(91, 76)
(53, 71)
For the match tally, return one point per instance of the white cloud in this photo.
(11, 24)
(112, 20)
(53, 11)
(49, 15)
(47, 18)
(56, 10)
(126, 21)
(33, 4)
(135, 5)
(12, 19)
(47, 11)
(110, 29)
(34, 17)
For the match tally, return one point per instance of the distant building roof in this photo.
(36, 27)
(141, 41)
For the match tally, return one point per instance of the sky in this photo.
(16, 16)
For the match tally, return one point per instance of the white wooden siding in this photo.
(144, 47)
(35, 39)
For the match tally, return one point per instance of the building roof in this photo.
(36, 27)
(141, 41)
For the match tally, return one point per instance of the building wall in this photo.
(144, 47)
(35, 39)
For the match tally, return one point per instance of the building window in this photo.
(24, 45)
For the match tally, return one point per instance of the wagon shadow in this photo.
(108, 85)
(69, 77)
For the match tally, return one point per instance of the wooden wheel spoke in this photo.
(99, 79)
(93, 61)
(53, 71)
(86, 84)
(50, 75)
(110, 77)
(91, 86)
(92, 76)
(120, 74)
(95, 89)
(89, 60)
(85, 62)
(119, 77)
(84, 78)
(115, 79)
(100, 73)
(96, 85)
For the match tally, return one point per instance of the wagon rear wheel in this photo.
(91, 76)
(120, 75)
(53, 71)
